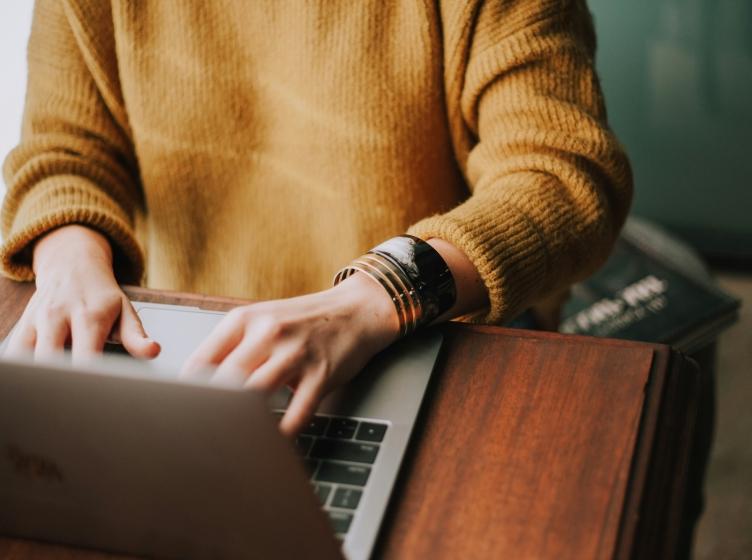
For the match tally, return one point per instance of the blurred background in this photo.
(678, 81)
(15, 24)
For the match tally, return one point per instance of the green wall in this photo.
(678, 81)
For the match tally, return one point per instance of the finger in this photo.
(114, 335)
(213, 350)
(22, 341)
(233, 378)
(52, 332)
(88, 334)
(246, 357)
(132, 333)
(280, 368)
(304, 402)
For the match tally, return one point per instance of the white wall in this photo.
(15, 23)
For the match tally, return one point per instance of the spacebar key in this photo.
(344, 474)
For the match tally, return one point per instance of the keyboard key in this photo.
(303, 443)
(345, 451)
(340, 521)
(322, 491)
(370, 431)
(316, 426)
(355, 475)
(311, 465)
(342, 428)
(346, 498)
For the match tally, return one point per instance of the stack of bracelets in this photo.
(414, 275)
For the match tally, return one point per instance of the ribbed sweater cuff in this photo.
(64, 200)
(504, 245)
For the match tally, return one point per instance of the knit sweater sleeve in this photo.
(550, 184)
(75, 161)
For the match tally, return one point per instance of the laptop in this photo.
(123, 455)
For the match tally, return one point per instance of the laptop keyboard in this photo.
(339, 454)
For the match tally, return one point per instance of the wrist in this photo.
(372, 306)
(414, 275)
(70, 245)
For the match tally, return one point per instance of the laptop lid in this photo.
(111, 457)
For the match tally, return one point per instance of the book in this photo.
(652, 288)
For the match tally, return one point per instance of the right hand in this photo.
(77, 300)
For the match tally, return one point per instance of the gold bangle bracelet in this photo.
(415, 276)
(406, 289)
(397, 296)
(376, 276)
(405, 300)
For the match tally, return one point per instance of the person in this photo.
(254, 149)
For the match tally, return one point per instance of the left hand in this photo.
(312, 343)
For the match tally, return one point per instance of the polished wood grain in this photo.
(530, 445)
(540, 438)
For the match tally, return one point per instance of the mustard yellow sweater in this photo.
(254, 148)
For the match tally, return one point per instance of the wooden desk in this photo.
(530, 445)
